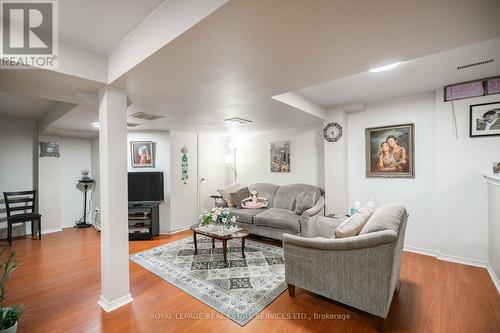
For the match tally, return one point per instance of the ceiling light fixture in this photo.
(238, 120)
(385, 68)
(96, 125)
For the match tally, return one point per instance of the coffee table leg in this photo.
(243, 247)
(224, 250)
(195, 244)
(213, 243)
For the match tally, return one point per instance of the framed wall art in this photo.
(485, 119)
(142, 154)
(390, 151)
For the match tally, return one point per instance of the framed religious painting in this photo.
(390, 151)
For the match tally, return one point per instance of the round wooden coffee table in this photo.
(243, 233)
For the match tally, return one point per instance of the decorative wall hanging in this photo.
(184, 165)
(390, 151)
(49, 149)
(142, 154)
(280, 156)
(332, 132)
(485, 119)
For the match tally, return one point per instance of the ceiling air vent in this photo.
(132, 125)
(484, 62)
(144, 115)
(238, 120)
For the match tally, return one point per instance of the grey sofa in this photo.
(279, 217)
(360, 271)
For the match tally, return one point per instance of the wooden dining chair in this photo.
(23, 202)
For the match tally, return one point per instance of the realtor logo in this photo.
(29, 34)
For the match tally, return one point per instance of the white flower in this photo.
(213, 209)
(214, 217)
(233, 219)
(224, 220)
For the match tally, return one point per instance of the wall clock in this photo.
(332, 132)
(49, 149)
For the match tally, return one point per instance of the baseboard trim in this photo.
(51, 230)
(445, 257)
(111, 306)
(494, 277)
(175, 231)
(464, 261)
(419, 250)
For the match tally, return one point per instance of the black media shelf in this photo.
(143, 220)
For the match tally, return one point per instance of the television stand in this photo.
(143, 220)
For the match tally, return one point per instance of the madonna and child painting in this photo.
(390, 151)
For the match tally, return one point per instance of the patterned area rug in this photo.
(239, 291)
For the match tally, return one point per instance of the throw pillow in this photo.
(225, 191)
(353, 225)
(238, 196)
(303, 201)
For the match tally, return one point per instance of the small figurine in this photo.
(254, 202)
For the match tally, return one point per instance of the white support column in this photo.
(114, 206)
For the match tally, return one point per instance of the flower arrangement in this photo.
(217, 216)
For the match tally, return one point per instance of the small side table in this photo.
(327, 224)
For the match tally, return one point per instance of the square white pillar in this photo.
(115, 290)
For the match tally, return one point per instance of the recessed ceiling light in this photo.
(385, 68)
(96, 125)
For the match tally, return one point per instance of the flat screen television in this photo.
(145, 186)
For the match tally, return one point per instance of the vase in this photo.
(12, 329)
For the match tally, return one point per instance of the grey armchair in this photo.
(360, 271)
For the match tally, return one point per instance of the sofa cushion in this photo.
(238, 196)
(225, 192)
(265, 190)
(279, 218)
(304, 201)
(245, 215)
(286, 195)
(353, 225)
(386, 217)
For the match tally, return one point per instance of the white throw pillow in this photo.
(226, 191)
(353, 225)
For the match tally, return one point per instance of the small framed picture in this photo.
(390, 151)
(496, 167)
(142, 154)
(485, 119)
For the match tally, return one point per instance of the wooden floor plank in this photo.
(59, 284)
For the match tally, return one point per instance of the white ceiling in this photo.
(410, 77)
(14, 105)
(100, 25)
(233, 62)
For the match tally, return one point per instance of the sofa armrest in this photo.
(350, 243)
(316, 209)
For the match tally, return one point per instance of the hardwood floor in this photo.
(59, 284)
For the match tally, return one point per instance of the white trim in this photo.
(51, 230)
(421, 251)
(446, 257)
(175, 231)
(493, 179)
(111, 306)
(494, 277)
(464, 261)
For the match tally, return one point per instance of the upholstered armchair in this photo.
(360, 271)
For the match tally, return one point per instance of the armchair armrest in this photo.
(350, 243)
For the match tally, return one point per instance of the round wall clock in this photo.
(332, 132)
